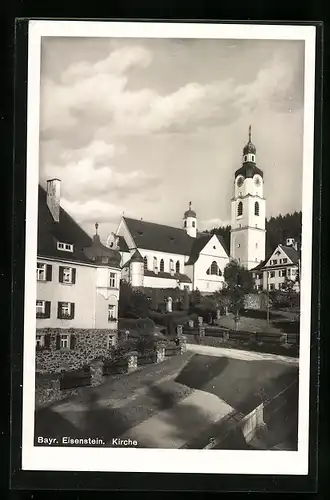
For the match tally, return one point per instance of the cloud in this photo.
(92, 211)
(98, 94)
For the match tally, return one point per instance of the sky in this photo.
(141, 127)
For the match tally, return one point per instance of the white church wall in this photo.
(123, 231)
(157, 282)
(150, 254)
(213, 251)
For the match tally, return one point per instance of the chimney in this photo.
(54, 198)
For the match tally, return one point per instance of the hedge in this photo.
(143, 326)
(177, 317)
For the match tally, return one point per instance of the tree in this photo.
(238, 283)
(132, 303)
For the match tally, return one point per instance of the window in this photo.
(272, 286)
(271, 274)
(44, 272)
(185, 223)
(39, 340)
(67, 275)
(256, 208)
(66, 247)
(64, 342)
(285, 261)
(40, 306)
(193, 223)
(245, 157)
(253, 157)
(283, 273)
(177, 266)
(171, 265)
(214, 269)
(65, 310)
(111, 312)
(239, 209)
(42, 309)
(161, 265)
(145, 263)
(111, 341)
(41, 272)
(155, 264)
(238, 245)
(273, 262)
(112, 280)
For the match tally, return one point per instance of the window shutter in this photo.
(72, 310)
(73, 275)
(58, 341)
(59, 310)
(47, 340)
(60, 274)
(49, 269)
(47, 309)
(73, 341)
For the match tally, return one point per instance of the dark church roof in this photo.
(291, 253)
(65, 231)
(158, 237)
(249, 169)
(182, 278)
(198, 246)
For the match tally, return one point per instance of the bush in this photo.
(163, 319)
(143, 326)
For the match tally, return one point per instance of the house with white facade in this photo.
(282, 265)
(78, 278)
(159, 256)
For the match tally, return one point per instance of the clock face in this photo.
(240, 181)
(257, 181)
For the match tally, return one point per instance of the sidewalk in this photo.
(240, 354)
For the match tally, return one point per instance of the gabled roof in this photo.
(67, 230)
(159, 237)
(199, 244)
(291, 253)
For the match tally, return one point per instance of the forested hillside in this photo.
(278, 229)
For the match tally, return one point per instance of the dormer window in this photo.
(66, 247)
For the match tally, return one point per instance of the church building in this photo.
(159, 256)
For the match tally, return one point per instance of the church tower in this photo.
(248, 211)
(190, 222)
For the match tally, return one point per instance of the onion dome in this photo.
(137, 257)
(249, 147)
(189, 212)
(100, 254)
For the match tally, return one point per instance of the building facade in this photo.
(158, 256)
(280, 269)
(78, 278)
(248, 211)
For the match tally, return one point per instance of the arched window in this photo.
(145, 263)
(177, 266)
(161, 265)
(155, 262)
(239, 209)
(253, 157)
(256, 208)
(171, 265)
(214, 268)
(193, 223)
(185, 223)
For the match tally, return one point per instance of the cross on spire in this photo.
(190, 205)
(96, 227)
(249, 133)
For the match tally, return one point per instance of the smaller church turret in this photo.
(190, 222)
(136, 269)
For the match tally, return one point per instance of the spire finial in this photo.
(190, 205)
(249, 133)
(96, 227)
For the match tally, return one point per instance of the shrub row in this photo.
(143, 326)
(175, 317)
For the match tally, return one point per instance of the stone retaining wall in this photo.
(87, 346)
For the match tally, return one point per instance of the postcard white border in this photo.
(155, 460)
